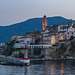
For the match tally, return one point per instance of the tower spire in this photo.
(44, 22)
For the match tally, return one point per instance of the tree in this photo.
(37, 41)
(11, 43)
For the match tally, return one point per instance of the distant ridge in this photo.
(6, 32)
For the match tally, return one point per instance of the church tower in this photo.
(44, 22)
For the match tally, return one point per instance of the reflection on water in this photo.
(62, 69)
(52, 69)
(41, 68)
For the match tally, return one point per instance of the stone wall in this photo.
(46, 53)
(31, 53)
(50, 53)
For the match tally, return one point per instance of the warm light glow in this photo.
(43, 26)
(44, 22)
(51, 41)
(52, 69)
(58, 39)
(61, 38)
(55, 40)
(62, 69)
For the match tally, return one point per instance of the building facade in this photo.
(26, 40)
(71, 32)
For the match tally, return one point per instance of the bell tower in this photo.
(44, 22)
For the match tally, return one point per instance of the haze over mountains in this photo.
(6, 32)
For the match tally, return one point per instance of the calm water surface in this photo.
(41, 68)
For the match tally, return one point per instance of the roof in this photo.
(25, 37)
(25, 58)
(65, 27)
(34, 32)
(61, 31)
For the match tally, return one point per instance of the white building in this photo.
(50, 39)
(62, 35)
(16, 37)
(26, 40)
(2, 44)
(21, 45)
(71, 32)
(63, 28)
(65, 32)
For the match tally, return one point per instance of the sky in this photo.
(15, 11)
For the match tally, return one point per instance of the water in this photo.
(41, 68)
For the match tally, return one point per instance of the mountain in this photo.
(6, 32)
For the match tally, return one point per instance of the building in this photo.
(16, 37)
(63, 28)
(62, 32)
(44, 22)
(71, 23)
(35, 36)
(18, 45)
(65, 32)
(54, 28)
(25, 40)
(71, 32)
(46, 39)
(49, 37)
(62, 35)
(53, 39)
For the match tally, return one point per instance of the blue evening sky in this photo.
(14, 11)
